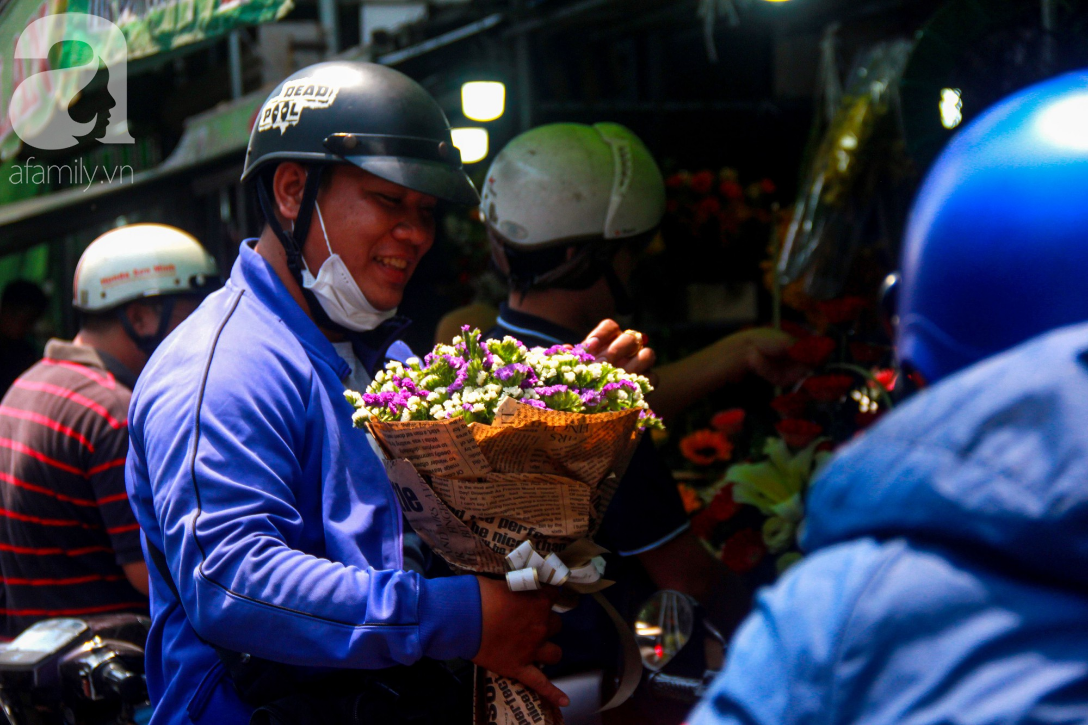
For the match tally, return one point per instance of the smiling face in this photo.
(380, 229)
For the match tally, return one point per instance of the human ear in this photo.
(288, 184)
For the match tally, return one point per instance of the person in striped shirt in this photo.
(69, 543)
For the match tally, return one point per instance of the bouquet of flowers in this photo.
(504, 460)
(756, 466)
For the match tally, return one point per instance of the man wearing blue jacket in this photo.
(274, 533)
(948, 567)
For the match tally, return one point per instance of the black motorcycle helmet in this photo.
(358, 113)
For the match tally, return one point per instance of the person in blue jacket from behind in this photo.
(273, 530)
(947, 575)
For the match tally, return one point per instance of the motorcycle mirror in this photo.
(663, 626)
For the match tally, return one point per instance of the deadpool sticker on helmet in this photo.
(285, 108)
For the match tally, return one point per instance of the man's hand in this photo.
(609, 343)
(516, 627)
(763, 352)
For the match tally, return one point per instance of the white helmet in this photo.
(568, 182)
(141, 260)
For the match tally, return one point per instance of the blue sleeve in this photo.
(228, 488)
(783, 661)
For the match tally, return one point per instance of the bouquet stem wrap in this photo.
(476, 492)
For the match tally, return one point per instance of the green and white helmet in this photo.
(569, 183)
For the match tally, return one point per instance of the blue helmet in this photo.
(996, 250)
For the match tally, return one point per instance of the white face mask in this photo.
(338, 293)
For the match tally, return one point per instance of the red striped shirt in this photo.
(65, 524)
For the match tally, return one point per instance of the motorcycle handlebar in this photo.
(685, 689)
(114, 676)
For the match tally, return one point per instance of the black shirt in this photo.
(645, 513)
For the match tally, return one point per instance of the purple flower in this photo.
(466, 406)
(620, 385)
(590, 398)
(535, 403)
(557, 349)
(548, 390)
(459, 381)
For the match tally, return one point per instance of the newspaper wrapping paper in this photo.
(474, 493)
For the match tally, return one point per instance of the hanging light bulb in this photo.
(471, 142)
(951, 108)
(483, 100)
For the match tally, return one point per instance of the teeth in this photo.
(394, 262)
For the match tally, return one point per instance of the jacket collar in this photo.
(252, 272)
(522, 324)
(91, 357)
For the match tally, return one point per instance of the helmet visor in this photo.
(437, 179)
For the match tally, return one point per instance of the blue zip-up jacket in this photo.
(280, 528)
(949, 579)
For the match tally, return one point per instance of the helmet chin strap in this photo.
(292, 241)
(148, 343)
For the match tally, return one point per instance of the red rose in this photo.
(886, 378)
(797, 432)
(844, 309)
(731, 190)
(723, 507)
(743, 550)
(828, 388)
(867, 354)
(702, 182)
(812, 351)
(791, 405)
(767, 186)
(728, 422)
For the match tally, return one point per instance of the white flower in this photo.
(569, 377)
(412, 362)
(478, 408)
(481, 378)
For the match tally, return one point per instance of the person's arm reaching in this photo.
(761, 351)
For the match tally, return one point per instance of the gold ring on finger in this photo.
(638, 337)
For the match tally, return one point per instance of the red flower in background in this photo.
(795, 330)
(791, 405)
(731, 190)
(690, 497)
(827, 388)
(728, 422)
(886, 378)
(723, 507)
(844, 309)
(743, 551)
(702, 182)
(797, 432)
(767, 186)
(705, 447)
(702, 525)
(812, 351)
(676, 181)
(708, 207)
(865, 353)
